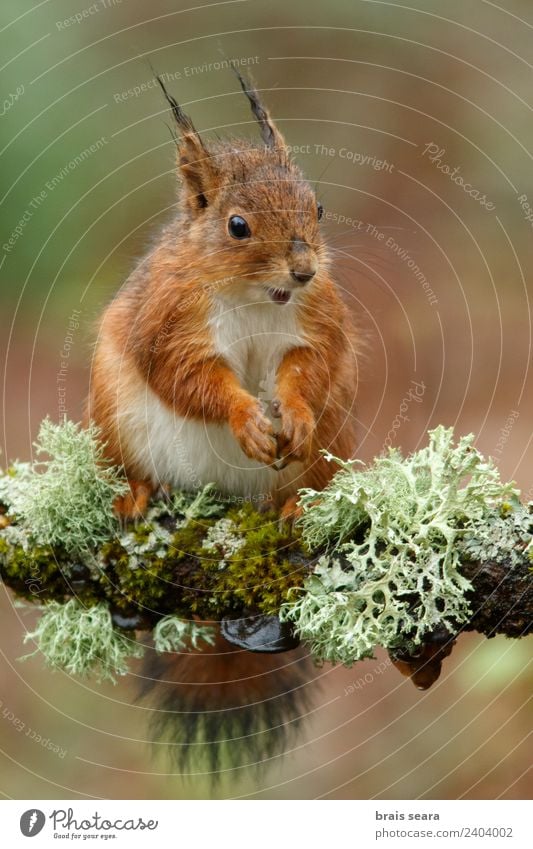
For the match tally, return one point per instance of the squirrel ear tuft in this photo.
(196, 163)
(269, 132)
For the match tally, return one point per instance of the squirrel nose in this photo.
(303, 262)
(302, 276)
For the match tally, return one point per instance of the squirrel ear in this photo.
(270, 133)
(195, 161)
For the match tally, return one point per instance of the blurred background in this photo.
(416, 125)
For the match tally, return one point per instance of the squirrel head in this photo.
(248, 211)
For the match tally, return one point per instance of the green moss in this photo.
(255, 575)
(190, 572)
(42, 573)
(143, 586)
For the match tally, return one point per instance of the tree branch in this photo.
(502, 596)
(501, 599)
(403, 554)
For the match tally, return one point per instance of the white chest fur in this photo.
(188, 453)
(253, 337)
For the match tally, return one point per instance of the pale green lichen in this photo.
(505, 536)
(202, 504)
(224, 539)
(172, 634)
(67, 499)
(83, 640)
(397, 525)
(11, 481)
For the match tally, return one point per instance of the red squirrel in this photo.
(234, 306)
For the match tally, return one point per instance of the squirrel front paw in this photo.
(295, 438)
(253, 431)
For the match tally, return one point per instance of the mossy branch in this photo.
(388, 555)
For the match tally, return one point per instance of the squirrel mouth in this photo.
(279, 296)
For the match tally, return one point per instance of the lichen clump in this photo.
(82, 640)
(392, 530)
(505, 536)
(66, 499)
(172, 634)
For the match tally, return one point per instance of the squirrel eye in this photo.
(238, 228)
(320, 210)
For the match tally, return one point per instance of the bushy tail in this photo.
(225, 707)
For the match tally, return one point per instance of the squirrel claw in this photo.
(295, 438)
(275, 409)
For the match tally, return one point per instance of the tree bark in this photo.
(502, 597)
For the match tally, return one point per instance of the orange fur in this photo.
(134, 502)
(159, 345)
